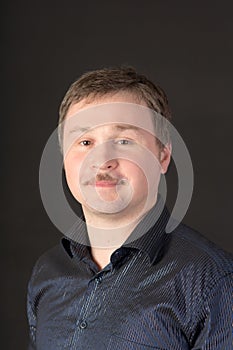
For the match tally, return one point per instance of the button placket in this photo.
(88, 305)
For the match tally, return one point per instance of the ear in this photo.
(165, 157)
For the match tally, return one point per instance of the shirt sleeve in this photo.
(217, 330)
(31, 315)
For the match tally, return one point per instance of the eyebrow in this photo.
(126, 127)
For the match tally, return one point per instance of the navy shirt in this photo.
(162, 291)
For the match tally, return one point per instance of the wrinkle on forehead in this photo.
(116, 112)
(115, 127)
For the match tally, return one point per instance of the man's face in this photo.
(109, 166)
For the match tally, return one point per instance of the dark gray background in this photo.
(185, 46)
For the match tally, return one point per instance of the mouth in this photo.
(106, 183)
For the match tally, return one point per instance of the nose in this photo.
(105, 165)
(103, 158)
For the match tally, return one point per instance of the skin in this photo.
(104, 177)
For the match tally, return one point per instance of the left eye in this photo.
(123, 142)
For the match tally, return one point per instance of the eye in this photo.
(85, 143)
(124, 142)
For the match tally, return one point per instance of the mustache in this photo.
(105, 177)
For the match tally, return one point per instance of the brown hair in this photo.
(111, 80)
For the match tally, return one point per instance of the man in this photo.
(120, 281)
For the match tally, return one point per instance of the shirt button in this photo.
(83, 324)
(98, 280)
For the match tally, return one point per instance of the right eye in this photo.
(85, 143)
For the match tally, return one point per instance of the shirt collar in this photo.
(149, 236)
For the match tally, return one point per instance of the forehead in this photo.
(107, 128)
(120, 96)
(118, 115)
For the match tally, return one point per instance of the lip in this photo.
(105, 183)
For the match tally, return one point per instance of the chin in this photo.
(105, 208)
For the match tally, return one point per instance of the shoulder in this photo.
(201, 246)
(54, 263)
(196, 252)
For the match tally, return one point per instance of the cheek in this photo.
(72, 165)
(72, 162)
(142, 179)
(139, 182)
(134, 173)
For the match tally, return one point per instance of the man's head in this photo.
(113, 168)
(110, 81)
(105, 81)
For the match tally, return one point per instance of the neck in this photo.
(107, 233)
(105, 241)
